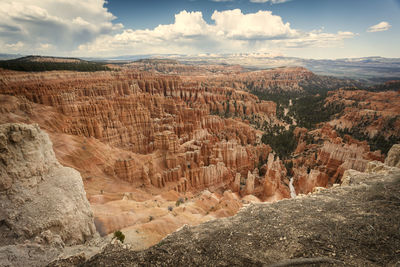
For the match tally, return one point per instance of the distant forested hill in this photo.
(39, 63)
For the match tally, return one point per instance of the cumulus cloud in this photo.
(15, 47)
(271, 1)
(231, 32)
(380, 27)
(86, 28)
(62, 24)
(234, 24)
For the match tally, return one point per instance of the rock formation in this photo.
(37, 193)
(306, 231)
(41, 201)
(372, 114)
(144, 113)
(275, 175)
(153, 132)
(322, 163)
(393, 157)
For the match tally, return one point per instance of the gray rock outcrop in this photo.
(377, 168)
(393, 157)
(41, 201)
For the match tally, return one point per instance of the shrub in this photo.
(179, 201)
(119, 236)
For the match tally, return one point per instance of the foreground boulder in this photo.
(41, 201)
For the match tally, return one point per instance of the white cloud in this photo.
(231, 32)
(315, 39)
(271, 1)
(15, 47)
(380, 27)
(261, 25)
(86, 28)
(62, 24)
(45, 47)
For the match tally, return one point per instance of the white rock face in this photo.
(40, 200)
(375, 168)
(352, 177)
(393, 157)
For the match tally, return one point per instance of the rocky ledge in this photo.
(356, 224)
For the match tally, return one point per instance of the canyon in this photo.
(142, 142)
(159, 144)
(355, 224)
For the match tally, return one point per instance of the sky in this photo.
(299, 28)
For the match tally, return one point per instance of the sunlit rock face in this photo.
(393, 157)
(39, 196)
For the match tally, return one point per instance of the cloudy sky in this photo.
(301, 28)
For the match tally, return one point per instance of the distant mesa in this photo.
(157, 61)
